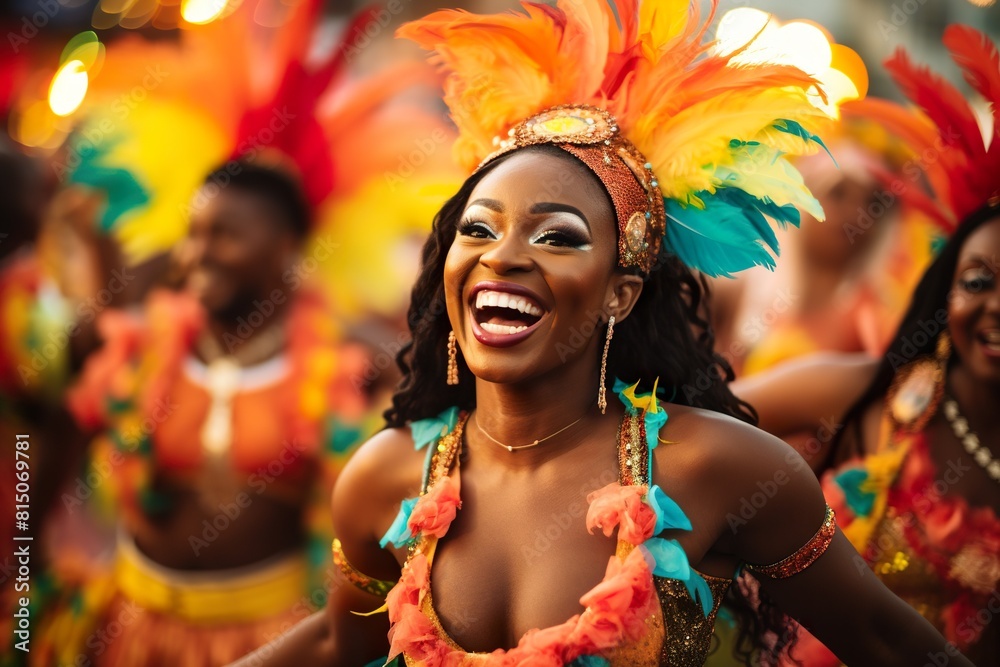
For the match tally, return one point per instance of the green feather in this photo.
(120, 186)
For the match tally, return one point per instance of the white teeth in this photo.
(501, 328)
(489, 298)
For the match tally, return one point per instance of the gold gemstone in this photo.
(635, 231)
(915, 394)
(565, 125)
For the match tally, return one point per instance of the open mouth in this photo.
(990, 339)
(504, 313)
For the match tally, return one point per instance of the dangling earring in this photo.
(917, 388)
(602, 401)
(452, 359)
(943, 352)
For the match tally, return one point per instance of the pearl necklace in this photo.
(980, 452)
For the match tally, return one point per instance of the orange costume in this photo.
(930, 547)
(284, 425)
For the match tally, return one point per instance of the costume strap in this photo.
(633, 452)
(805, 556)
(359, 580)
(445, 453)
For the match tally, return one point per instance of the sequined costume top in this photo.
(669, 611)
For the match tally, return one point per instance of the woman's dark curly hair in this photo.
(916, 336)
(666, 336)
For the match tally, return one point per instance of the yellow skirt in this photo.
(159, 617)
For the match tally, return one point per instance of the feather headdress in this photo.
(961, 167)
(266, 104)
(636, 92)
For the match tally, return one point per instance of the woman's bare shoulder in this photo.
(716, 466)
(386, 469)
(702, 449)
(391, 450)
(698, 437)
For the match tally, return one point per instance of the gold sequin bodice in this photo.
(905, 573)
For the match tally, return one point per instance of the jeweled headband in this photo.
(592, 135)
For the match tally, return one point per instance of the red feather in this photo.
(299, 134)
(980, 62)
(940, 100)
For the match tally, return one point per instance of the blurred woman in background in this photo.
(906, 445)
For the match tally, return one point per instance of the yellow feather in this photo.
(680, 104)
(663, 20)
(765, 175)
(686, 148)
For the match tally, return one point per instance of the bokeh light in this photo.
(759, 37)
(202, 11)
(69, 87)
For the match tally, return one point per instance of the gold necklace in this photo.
(514, 448)
(970, 441)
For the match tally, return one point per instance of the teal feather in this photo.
(860, 502)
(783, 215)
(399, 532)
(767, 181)
(793, 127)
(590, 661)
(122, 190)
(938, 243)
(341, 436)
(654, 422)
(720, 239)
(699, 591)
(671, 561)
(619, 388)
(669, 515)
(432, 429)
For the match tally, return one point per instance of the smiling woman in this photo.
(511, 227)
(564, 263)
